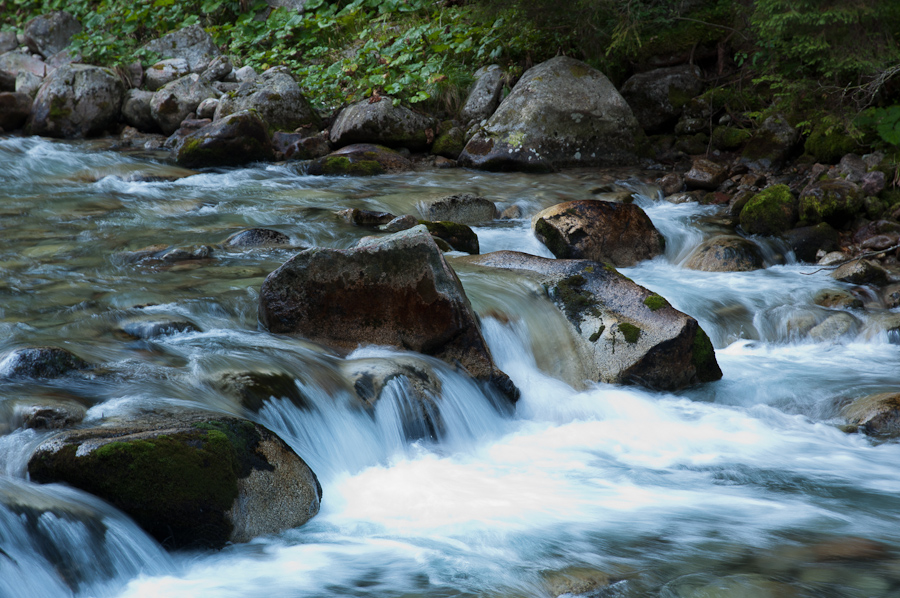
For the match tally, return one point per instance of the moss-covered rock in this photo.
(729, 138)
(76, 100)
(772, 211)
(771, 144)
(192, 479)
(827, 146)
(360, 159)
(450, 143)
(834, 201)
(236, 139)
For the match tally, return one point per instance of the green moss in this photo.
(630, 332)
(832, 201)
(575, 300)
(58, 108)
(770, 212)
(703, 358)
(596, 336)
(828, 146)
(729, 138)
(655, 302)
(342, 165)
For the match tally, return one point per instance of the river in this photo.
(742, 487)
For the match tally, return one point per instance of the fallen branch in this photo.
(853, 259)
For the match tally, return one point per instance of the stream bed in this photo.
(745, 487)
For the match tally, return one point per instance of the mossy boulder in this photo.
(623, 333)
(657, 97)
(378, 120)
(834, 201)
(729, 138)
(41, 362)
(276, 97)
(450, 143)
(360, 159)
(772, 211)
(396, 290)
(561, 113)
(76, 100)
(458, 236)
(236, 139)
(603, 231)
(726, 253)
(828, 146)
(190, 480)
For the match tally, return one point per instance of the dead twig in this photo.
(853, 259)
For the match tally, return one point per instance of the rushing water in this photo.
(727, 489)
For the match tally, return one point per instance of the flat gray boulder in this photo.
(51, 33)
(191, 43)
(77, 100)
(623, 333)
(276, 97)
(396, 291)
(561, 113)
(380, 122)
(191, 479)
(484, 97)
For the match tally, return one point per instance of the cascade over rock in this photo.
(192, 479)
(561, 113)
(396, 290)
(623, 332)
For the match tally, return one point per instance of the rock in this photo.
(8, 41)
(379, 121)
(406, 222)
(458, 236)
(726, 253)
(172, 103)
(236, 139)
(623, 333)
(771, 145)
(833, 258)
(705, 174)
(770, 212)
(602, 231)
(76, 101)
(218, 69)
(861, 272)
(450, 143)
(576, 581)
(300, 146)
(190, 480)
(688, 197)
(729, 138)
(873, 183)
(191, 43)
(256, 237)
(465, 208)
(850, 548)
(136, 110)
(187, 127)
(728, 586)
(876, 415)
(166, 254)
(41, 362)
(484, 95)
(52, 416)
(837, 299)
(253, 389)
(13, 63)
(561, 113)
(834, 201)
(834, 327)
(14, 110)
(150, 328)
(50, 33)
(671, 183)
(245, 74)
(807, 241)
(657, 97)
(276, 97)
(360, 159)
(207, 108)
(166, 71)
(366, 217)
(28, 83)
(852, 168)
(132, 138)
(396, 290)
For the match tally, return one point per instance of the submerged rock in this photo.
(254, 388)
(191, 480)
(601, 231)
(561, 113)
(726, 253)
(360, 159)
(465, 208)
(76, 100)
(623, 332)
(149, 328)
(41, 362)
(458, 236)
(256, 237)
(396, 291)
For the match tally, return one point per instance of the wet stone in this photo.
(41, 362)
(149, 329)
(256, 237)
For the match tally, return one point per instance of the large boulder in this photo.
(377, 120)
(484, 96)
(772, 211)
(772, 144)
(726, 253)
(165, 71)
(236, 139)
(176, 100)
(12, 63)
(807, 241)
(77, 100)
(876, 415)
(396, 290)
(191, 480)
(658, 96)
(623, 333)
(51, 33)
(14, 110)
(834, 201)
(276, 97)
(191, 43)
(602, 231)
(466, 208)
(561, 113)
(360, 159)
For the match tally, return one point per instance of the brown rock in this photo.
(671, 183)
(726, 253)
(705, 174)
(861, 272)
(602, 231)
